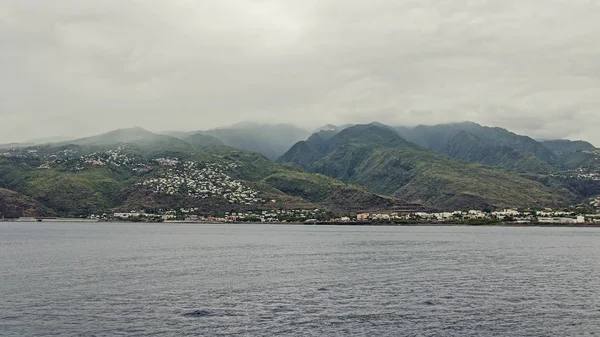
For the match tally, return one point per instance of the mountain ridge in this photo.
(381, 160)
(145, 173)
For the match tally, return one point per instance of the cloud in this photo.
(80, 67)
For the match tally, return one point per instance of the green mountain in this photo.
(495, 147)
(563, 146)
(584, 160)
(135, 169)
(465, 146)
(376, 157)
(575, 155)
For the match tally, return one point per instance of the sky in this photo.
(75, 68)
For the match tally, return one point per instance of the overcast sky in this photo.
(82, 67)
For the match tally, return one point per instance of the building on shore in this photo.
(557, 220)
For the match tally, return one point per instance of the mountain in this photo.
(272, 140)
(562, 147)
(333, 128)
(131, 135)
(581, 160)
(465, 146)
(378, 158)
(206, 143)
(147, 142)
(495, 147)
(135, 169)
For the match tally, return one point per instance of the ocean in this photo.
(109, 279)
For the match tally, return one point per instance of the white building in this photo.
(558, 220)
(127, 215)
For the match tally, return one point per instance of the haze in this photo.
(72, 67)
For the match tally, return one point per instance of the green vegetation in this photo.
(331, 193)
(470, 148)
(108, 173)
(73, 194)
(360, 168)
(378, 158)
(495, 147)
(14, 205)
(563, 146)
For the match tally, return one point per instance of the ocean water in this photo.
(91, 279)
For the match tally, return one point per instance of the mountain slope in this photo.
(378, 158)
(328, 192)
(465, 146)
(14, 205)
(491, 146)
(153, 172)
(132, 135)
(562, 147)
(149, 143)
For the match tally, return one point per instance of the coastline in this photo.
(318, 223)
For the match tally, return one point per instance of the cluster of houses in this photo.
(436, 216)
(580, 173)
(507, 215)
(322, 216)
(293, 215)
(116, 157)
(186, 215)
(201, 181)
(164, 216)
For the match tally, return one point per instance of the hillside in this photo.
(14, 205)
(562, 146)
(492, 146)
(465, 146)
(376, 157)
(329, 192)
(135, 169)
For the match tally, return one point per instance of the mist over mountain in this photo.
(272, 140)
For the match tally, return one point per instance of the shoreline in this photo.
(322, 223)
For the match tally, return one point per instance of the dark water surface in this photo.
(260, 280)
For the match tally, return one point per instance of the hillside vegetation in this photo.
(376, 157)
(135, 169)
(13, 205)
(349, 168)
